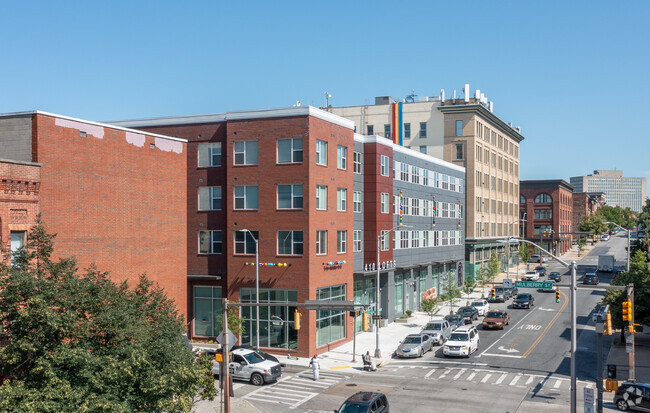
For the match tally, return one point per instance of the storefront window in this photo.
(330, 325)
(207, 311)
(399, 294)
(276, 321)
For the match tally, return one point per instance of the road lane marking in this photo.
(548, 326)
(505, 334)
(471, 376)
(515, 380)
(486, 378)
(557, 384)
(501, 355)
(443, 375)
(502, 378)
(460, 373)
(530, 380)
(339, 367)
(429, 373)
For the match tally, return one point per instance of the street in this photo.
(523, 368)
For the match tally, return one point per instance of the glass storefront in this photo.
(422, 286)
(207, 311)
(276, 321)
(399, 294)
(365, 293)
(330, 325)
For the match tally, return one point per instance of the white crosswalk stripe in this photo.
(294, 390)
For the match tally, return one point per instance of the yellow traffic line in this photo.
(532, 347)
(340, 367)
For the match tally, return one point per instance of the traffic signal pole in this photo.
(630, 294)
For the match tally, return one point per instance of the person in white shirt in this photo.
(315, 366)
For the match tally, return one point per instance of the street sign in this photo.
(589, 400)
(232, 340)
(370, 311)
(376, 317)
(533, 284)
(507, 283)
(329, 305)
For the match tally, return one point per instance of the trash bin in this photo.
(611, 371)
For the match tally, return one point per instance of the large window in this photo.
(330, 325)
(321, 197)
(290, 196)
(290, 150)
(385, 240)
(357, 201)
(385, 203)
(341, 199)
(209, 154)
(245, 242)
(540, 230)
(407, 130)
(276, 321)
(246, 197)
(246, 153)
(543, 214)
(210, 242)
(385, 165)
(290, 242)
(399, 294)
(209, 198)
(207, 311)
(321, 242)
(543, 199)
(321, 152)
(357, 241)
(341, 157)
(341, 242)
(459, 128)
(357, 162)
(17, 241)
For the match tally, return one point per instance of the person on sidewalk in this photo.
(314, 363)
(368, 362)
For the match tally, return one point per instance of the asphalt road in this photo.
(523, 368)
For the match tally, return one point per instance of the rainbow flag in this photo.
(397, 123)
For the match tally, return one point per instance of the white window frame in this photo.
(415, 174)
(341, 157)
(385, 165)
(245, 197)
(297, 242)
(244, 242)
(321, 197)
(356, 162)
(210, 152)
(341, 199)
(341, 241)
(293, 151)
(212, 234)
(214, 198)
(244, 152)
(357, 242)
(385, 203)
(385, 240)
(294, 196)
(321, 242)
(321, 152)
(357, 201)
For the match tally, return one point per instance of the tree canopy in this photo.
(78, 341)
(639, 275)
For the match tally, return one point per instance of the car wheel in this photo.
(257, 379)
(622, 405)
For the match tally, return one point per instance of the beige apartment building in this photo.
(466, 132)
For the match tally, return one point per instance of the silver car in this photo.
(439, 331)
(414, 345)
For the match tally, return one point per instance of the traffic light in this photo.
(493, 293)
(366, 321)
(627, 310)
(296, 320)
(557, 295)
(607, 327)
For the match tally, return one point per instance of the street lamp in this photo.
(628, 242)
(257, 286)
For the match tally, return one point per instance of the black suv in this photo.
(541, 271)
(365, 402)
(469, 314)
(634, 396)
(555, 276)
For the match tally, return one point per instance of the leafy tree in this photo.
(581, 245)
(593, 223)
(81, 342)
(489, 272)
(639, 275)
(451, 293)
(524, 252)
(468, 287)
(430, 306)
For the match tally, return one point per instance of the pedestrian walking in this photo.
(315, 366)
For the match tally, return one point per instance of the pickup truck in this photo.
(246, 364)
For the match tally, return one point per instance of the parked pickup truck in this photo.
(246, 364)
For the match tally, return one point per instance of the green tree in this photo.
(581, 245)
(452, 292)
(639, 276)
(524, 252)
(430, 306)
(593, 223)
(489, 272)
(81, 342)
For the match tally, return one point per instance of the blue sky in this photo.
(572, 74)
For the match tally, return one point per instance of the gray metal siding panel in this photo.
(16, 138)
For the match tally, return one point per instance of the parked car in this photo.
(500, 295)
(365, 402)
(439, 331)
(634, 396)
(541, 271)
(524, 300)
(555, 276)
(455, 321)
(482, 306)
(550, 289)
(590, 278)
(414, 345)
(462, 342)
(469, 313)
(246, 364)
(496, 319)
(531, 276)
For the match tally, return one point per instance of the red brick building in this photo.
(546, 210)
(115, 197)
(585, 204)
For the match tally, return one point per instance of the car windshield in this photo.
(458, 337)
(477, 303)
(412, 340)
(454, 317)
(494, 314)
(465, 310)
(522, 297)
(253, 358)
(353, 408)
(433, 326)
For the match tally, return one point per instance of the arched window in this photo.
(522, 200)
(543, 199)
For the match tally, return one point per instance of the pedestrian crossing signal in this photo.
(557, 296)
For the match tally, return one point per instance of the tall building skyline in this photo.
(625, 192)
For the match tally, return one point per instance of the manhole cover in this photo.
(351, 385)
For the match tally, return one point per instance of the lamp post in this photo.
(628, 241)
(257, 286)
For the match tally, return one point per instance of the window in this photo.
(289, 150)
(522, 200)
(356, 200)
(385, 240)
(321, 242)
(387, 131)
(356, 162)
(415, 174)
(209, 198)
(209, 154)
(273, 332)
(425, 177)
(341, 242)
(290, 242)
(404, 172)
(404, 239)
(321, 152)
(407, 130)
(415, 207)
(330, 325)
(415, 239)
(543, 199)
(341, 199)
(245, 243)
(543, 214)
(423, 129)
(245, 153)
(341, 157)
(246, 197)
(385, 203)
(385, 165)
(423, 149)
(207, 311)
(357, 241)
(210, 242)
(494, 159)
(542, 229)
(425, 239)
(479, 153)
(479, 178)
(371, 130)
(459, 151)
(17, 242)
(486, 158)
(321, 197)
(290, 196)
(459, 128)
(478, 204)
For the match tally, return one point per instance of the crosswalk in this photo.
(480, 375)
(296, 389)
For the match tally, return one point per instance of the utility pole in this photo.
(630, 294)
(574, 336)
(226, 358)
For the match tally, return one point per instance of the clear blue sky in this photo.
(572, 74)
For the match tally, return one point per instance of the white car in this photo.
(482, 306)
(531, 276)
(462, 342)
